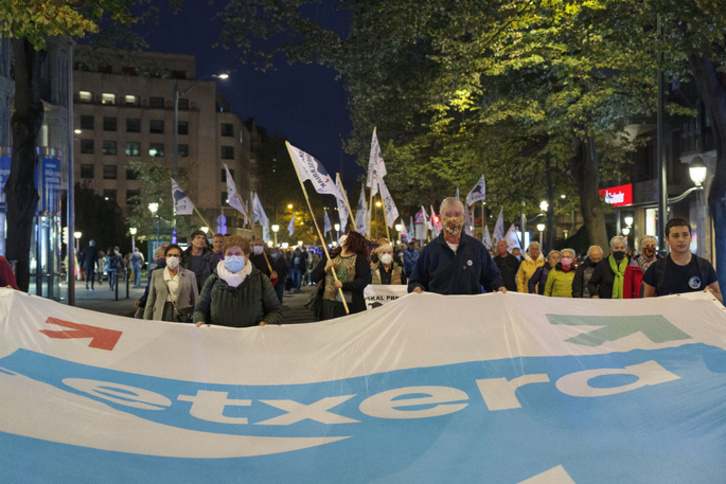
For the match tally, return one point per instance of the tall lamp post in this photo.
(178, 93)
(77, 236)
(154, 208)
(275, 229)
(541, 228)
(698, 172)
(133, 231)
(544, 207)
(337, 232)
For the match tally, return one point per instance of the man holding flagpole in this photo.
(455, 263)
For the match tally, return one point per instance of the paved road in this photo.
(102, 299)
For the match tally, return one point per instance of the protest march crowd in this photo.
(240, 282)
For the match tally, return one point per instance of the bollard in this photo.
(116, 284)
(127, 283)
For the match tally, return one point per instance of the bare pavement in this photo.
(103, 300)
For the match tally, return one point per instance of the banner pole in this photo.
(317, 227)
(205, 222)
(347, 203)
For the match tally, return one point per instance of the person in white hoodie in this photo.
(533, 259)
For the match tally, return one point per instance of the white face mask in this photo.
(386, 258)
(172, 262)
(258, 249)
(343, 240)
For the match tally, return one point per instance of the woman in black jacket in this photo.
(353, 270)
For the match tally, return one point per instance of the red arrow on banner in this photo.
(101, 338)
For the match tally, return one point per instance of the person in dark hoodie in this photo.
(608, 278)
(198, 258)
(536, 283)
(585, 270)
(454, 262)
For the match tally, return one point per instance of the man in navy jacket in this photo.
(455, 263)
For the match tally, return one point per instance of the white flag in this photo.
(182, 203)
(291, 225)
(376, 166)
(388, 204)
(487, 239)
(327, 226)
(404, 230)
(478, 193)
(457, 193)
(342, 211)
(258, 213)
(467, 220)
(311, 169)
(411, 229)
(361, 214)
(512, 239)
(232, 196)
(499, 227)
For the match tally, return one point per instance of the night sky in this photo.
(303, 103)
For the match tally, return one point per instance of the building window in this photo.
(156, 102)
(109, 172)
(131, 100)
(109, 147)
(228, 152)
(183, 150)
(178, 74)
(156, 149)
(133, 125)
(133, 149)
(131, 173)
(133, 197)
(87, 146)
(128, 71)
(109, 123)
(85, 96)
(87, 170)
(156, 126)
(224, 175)
(108, 98)
(183, 127)
(184, 104)
(227, 129)
(109, 195)
(86, 121)
(107, 69)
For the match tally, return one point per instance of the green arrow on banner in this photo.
(657, 328)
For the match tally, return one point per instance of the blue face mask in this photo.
(234, 263)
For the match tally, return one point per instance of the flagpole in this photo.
(317, 227)
(204, 221)
(347, 202)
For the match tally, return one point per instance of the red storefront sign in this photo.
(618, 196)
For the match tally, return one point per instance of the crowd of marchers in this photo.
(238, 282)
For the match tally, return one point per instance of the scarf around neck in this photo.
(619, 273)
(234, 279)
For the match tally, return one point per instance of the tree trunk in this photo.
(20, 192)
(713, 92)
(584, 166)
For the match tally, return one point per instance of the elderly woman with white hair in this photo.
(643, 259)
(387, 271)
(559, 280)
(608, 278)
(533, 259)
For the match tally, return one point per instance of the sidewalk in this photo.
(101, 299)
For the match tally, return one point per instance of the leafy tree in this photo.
(29, 24)
(99, 219)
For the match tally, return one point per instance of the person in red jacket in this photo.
(7, 277)
(633, 279)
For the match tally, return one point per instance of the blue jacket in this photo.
(439, 270)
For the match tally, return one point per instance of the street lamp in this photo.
(543, 205)
(178, 93)
(289, 206)
(275, 229)
(77, 236)
(133, 231)
(541, 228)
(154, 208)
(698, 171)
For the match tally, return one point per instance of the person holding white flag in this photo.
(455, 263)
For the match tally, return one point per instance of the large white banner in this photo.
(508, 388)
